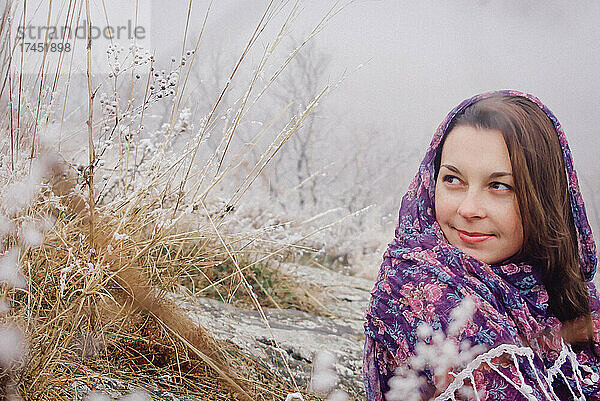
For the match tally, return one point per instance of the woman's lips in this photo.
(472, 237)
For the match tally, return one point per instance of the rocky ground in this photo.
(298, 335)
(294, 335)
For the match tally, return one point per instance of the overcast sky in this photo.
(420, 59)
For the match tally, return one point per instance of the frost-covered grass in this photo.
(105, 209)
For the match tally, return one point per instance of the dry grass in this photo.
(95, 306)
(273, 288)
(92, 313)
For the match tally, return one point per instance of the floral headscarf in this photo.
(423, 278)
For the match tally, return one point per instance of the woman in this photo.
(495, 217)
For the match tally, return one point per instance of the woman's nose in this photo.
(472, 206)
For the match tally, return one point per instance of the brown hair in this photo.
(549, 236)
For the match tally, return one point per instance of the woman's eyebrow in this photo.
(496, 174)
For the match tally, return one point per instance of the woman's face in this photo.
(475, 203)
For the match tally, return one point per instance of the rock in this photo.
(297, 335)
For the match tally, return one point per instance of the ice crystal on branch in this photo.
(437, 353)
(10, 269)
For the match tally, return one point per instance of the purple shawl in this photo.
(423, 278)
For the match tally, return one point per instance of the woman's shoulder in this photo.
(410, 295)
(418, 274)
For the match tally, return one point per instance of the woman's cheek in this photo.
(439, 206)
(446, 203)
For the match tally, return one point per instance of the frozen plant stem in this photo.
(90, 170)
(258, 30)
(253, 297)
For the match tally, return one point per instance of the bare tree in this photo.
(297, 164)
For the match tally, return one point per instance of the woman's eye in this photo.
(501, 186)
(451, 179)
